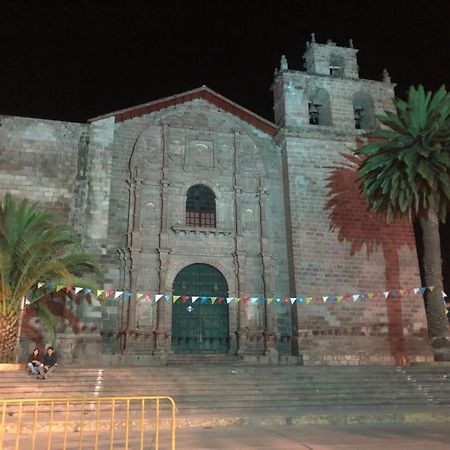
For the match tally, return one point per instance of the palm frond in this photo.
(406, 170)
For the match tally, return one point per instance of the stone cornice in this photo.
(183, 229)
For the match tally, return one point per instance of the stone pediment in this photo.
(200, 93)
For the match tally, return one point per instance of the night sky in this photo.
(73, 60)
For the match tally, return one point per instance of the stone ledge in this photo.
(180, 229)
(6, 367)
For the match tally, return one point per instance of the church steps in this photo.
(218, 390)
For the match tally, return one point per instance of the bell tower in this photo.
(320, 111)
(328, 93)
(330, 60)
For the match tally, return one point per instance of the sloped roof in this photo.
(204, 93)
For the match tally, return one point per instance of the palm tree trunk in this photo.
(394, 306)
(438, 326)
(19, 331)
(8, 334)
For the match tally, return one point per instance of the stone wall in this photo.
(290, 220)
(155, 159)
(336, 246)
(39, 160)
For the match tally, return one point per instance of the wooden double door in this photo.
(200, 326)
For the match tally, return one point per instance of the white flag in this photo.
(117, 294)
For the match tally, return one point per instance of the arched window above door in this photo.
(200, 207)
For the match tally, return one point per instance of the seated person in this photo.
(48, 363)
(34, 362)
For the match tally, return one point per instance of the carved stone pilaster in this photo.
(242, 330)
(164, 309)
(270, 322)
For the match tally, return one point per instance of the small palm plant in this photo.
(406, 172)
(34, 249)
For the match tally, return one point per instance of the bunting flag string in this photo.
(142, 296)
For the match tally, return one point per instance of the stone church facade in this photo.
(194, 195)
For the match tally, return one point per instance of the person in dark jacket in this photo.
(49, 362)
(34, 362)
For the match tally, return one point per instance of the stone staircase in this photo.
(231, 389)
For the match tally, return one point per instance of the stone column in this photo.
(270, 324)
(239, 255)
(164, 308)
(135, 249)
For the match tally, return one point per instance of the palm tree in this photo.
(406, 172)
(34, 249)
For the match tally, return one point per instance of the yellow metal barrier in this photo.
(97, 422)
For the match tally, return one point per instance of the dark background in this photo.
(72, 60)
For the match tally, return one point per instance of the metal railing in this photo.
(90, 422)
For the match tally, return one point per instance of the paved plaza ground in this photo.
(418, 436)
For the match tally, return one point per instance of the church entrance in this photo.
(200, 326)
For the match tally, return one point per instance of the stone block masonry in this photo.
(288, 218)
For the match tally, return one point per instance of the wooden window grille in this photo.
(200, 207)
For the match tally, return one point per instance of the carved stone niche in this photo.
(147, 149)
(200, 153)
(224, 156)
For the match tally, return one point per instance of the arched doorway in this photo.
(200, 326)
